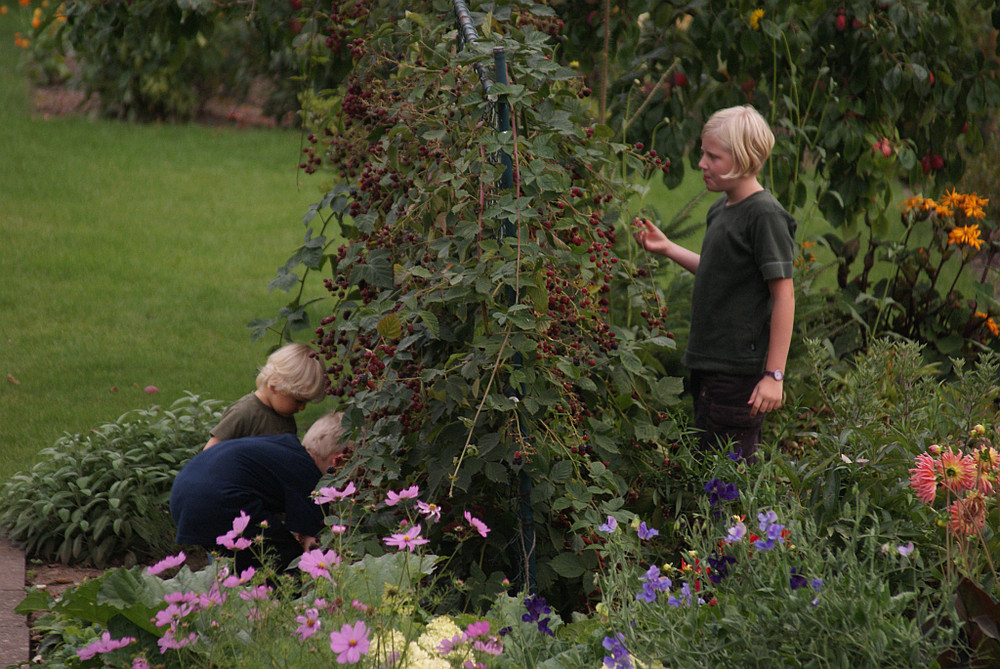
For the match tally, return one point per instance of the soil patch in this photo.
(57, 578)
(49, 102)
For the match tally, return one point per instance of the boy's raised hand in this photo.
(650, 237)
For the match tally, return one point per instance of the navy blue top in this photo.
(266, 476)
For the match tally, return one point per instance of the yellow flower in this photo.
(574, 64)
(916, 202)
(953, 198)
(943, 211)
(992, 326)
(755, 17)
(965, 234)
(973, 211)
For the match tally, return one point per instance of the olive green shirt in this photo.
(249, 417)
(746, 245)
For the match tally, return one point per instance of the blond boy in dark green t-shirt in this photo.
(743, 303)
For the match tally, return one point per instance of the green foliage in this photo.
(161, 59)
(102, 497)
(805, 602)
(145, 60)
(930, 279)
(499, 345)
(872, 418)
(840, 84)
(861, 96)
(764, 577)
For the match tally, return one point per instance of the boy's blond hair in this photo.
(325, 437)
(745, 134)
(294, 370)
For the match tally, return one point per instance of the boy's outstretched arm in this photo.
(652, 239)
(769, 393)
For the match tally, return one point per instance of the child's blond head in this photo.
(294, 370)
(745, 133)
(325, 437)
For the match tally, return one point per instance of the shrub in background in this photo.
(102, 497)
(162, 59)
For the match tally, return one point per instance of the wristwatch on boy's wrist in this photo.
(776, 374)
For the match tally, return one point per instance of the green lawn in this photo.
(132, 256)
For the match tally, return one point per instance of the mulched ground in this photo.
(57, 578)
(56, 101)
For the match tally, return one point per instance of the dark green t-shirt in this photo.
(745, 246)
(249, 417)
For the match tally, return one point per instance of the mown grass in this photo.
(132, 256)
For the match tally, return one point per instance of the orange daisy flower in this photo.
(924, 478)
(967, 515)
(958, 471)
(916, 202)
(953, 199)
(965, 234)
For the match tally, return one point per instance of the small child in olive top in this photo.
(744, 302)
(292, 377)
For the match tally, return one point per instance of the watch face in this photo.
(777, 375)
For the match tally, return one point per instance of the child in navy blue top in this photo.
(270, 478)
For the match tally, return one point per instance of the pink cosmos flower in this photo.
(308, 624)
(923, 478)
(492, 646)
(477, 524)
(359, 606)
(338, 529)
(478, 628)
(140, 663)
(394, 498)
(241, 522)
(233, 581)
(172, 614)
(409, 539)
(259, 592)
(166, 563)
(232, 539)
(350, 643)
(233, 543)
(194, 601)
(431, 510)
(318, 563)
(103, 645)
(169, 641)
(448, 645)
(331, 494)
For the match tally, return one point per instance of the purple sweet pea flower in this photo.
(646, 533)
